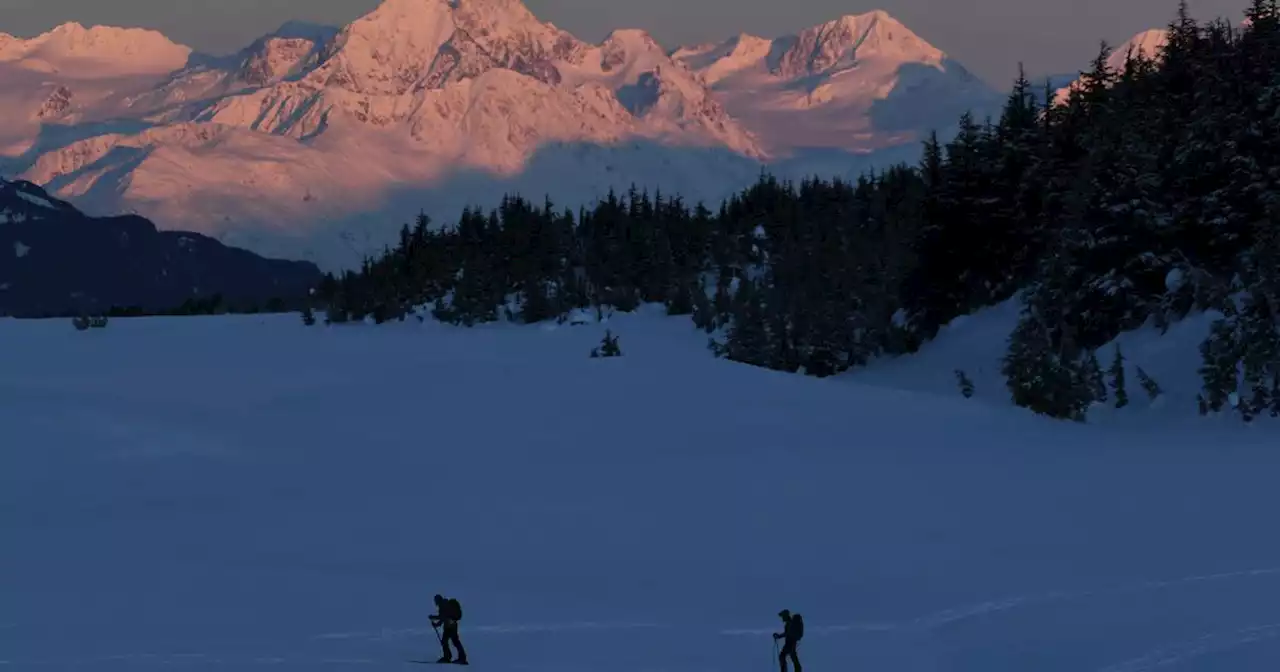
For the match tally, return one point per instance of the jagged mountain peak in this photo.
(841, 42)
(407, 45)
(287, 51)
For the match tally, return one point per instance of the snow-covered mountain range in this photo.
(319, 142)
(858, 82)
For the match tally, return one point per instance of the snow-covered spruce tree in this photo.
(1241, 355)
(1049, 380)
(1261, 354)
(1219, 355)
(747, 338)
(1044, 369)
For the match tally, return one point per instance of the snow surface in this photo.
(238, 493)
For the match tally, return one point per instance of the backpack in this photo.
(797, 625)
(455, 608)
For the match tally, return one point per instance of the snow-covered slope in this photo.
(284, 53)
(1148, 43)
(74, 75)
(860, 82)
(291, 498)
(977, 343)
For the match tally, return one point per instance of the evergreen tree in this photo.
(1097, 384)
(1117, 379)
(608, 346)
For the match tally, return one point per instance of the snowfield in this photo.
(245, 493)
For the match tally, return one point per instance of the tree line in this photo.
(1148, 193)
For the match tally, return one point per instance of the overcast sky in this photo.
(988, 36)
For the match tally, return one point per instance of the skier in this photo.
(448, 613)
(792, 633)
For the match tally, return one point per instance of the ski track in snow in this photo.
(956, 614)
(1161, 657)
(1211, 643)
(400, 633)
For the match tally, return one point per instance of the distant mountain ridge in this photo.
(54, 260)
(303, 142)
(858, 82)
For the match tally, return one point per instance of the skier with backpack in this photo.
(448, 613)
(792, 633)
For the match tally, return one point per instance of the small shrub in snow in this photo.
(608, 346)
(308, 317)
(966, 385)
(84, 322)
(1149, 384)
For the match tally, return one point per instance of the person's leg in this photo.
(782, 656)
(457, 643)
(444, 644)
(795, 658)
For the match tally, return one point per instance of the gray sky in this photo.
(988, 36)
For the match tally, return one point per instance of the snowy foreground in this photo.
(246, 493)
